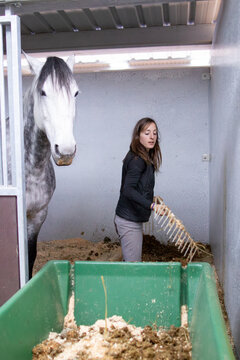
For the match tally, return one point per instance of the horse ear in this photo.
(35, 64)
(70, 62)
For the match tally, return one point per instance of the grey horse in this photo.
(49, 112)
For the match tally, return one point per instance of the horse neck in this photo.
(37, 146)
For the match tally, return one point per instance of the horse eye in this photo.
(76, 94)
(43, 93)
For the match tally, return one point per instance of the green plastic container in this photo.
(142, 293)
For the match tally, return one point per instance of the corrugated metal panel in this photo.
(128, 16)
(131, 15)
(24, 29)
(205, 12)
(178, 14)
(104, 18)
(153, 15)
(34, 24)
(80, 20)
(115, 17)
(55, 22)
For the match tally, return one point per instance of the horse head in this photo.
(54, 97)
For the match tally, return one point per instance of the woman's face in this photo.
(148, 136)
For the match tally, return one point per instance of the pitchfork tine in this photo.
(180, 238)
(169, 216)
(193, 254)
(165, 220)
(161, 217)
(176, 235)
(188, 239)
(182, 241)
(189, 246)
(173, 223)
(170, 235)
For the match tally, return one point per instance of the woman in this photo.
(136, 194)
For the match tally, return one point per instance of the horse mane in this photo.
(58, 70)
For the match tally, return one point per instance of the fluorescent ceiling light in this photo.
(144, 58)
(134, 58)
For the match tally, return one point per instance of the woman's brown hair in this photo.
(153, 156)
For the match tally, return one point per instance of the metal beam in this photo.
(155, 36)
(15, 187)
(30, 6)
(17, 142)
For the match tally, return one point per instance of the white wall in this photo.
(107, 109)
(225, 165)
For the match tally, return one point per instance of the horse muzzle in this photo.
(63, 159)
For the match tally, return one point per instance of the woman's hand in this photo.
(160, 209)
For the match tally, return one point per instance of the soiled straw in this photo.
(105, 292)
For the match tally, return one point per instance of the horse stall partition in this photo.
(13, 253)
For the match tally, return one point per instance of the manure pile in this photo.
(119, 340)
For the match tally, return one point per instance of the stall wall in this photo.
(108, 107)
(9, 275)
(225, 150)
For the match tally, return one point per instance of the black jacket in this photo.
(136, 193)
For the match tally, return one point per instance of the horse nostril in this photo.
(66, 152)
(56, 150)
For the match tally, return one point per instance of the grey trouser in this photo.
(131, 237)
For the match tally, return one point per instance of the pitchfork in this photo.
(175, 230)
